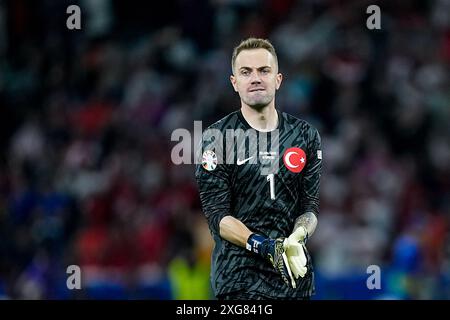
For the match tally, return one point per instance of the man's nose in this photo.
(255, 78)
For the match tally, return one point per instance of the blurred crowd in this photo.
(86, 117)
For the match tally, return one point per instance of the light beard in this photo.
(260, 105)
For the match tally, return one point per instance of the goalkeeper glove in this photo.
(294, 247)
(272, 250)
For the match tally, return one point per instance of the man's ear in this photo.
(279, 80)
(233, 82)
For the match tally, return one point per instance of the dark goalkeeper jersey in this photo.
(266, 180)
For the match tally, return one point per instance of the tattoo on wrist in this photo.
(307, 220)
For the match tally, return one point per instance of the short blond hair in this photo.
(250, 44)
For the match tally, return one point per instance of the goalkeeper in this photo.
(260, 197)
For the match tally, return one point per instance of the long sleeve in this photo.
(311, 178)
(214, 186)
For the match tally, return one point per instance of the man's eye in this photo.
(265, 71)
(245, 72)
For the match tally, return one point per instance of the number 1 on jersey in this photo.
(271, 179)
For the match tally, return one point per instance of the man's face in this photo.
(256, 77)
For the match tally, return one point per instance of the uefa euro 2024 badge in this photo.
(209, 160)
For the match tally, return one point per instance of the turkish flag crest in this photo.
(294, 159)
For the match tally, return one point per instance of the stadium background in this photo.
(86, 117)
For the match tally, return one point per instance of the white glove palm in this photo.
(295, 252)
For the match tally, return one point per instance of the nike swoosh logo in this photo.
(241, 162)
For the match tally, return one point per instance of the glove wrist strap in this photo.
(256, 243)
(305, 239)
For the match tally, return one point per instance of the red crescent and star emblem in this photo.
(294, 159)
